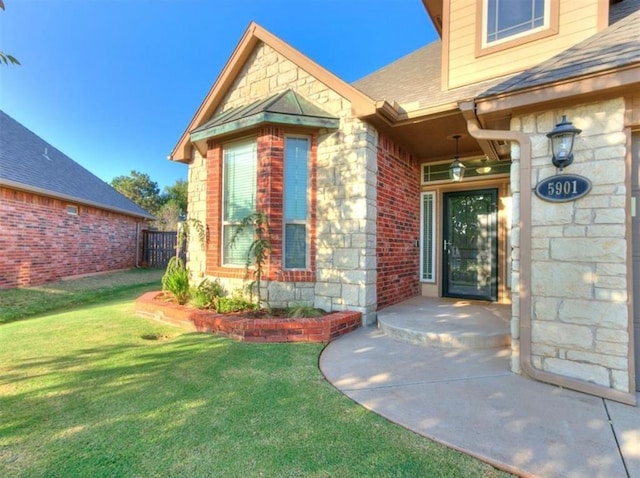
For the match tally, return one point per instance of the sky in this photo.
(114, 83)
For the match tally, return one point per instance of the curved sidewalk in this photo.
(470, 401)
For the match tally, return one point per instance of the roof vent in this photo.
(46, 154)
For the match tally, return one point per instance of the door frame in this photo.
(493, 293)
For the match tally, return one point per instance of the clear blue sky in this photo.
(114, 83)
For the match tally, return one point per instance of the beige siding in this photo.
(578, 19)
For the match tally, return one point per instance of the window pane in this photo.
(236, 254)
(296, 178)
(506, 18)
(427, 236)
(239, 181)
(295, 246)
(239, 201)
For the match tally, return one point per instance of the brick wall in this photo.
(41, 242)
(398, 224)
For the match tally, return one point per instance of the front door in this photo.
(470, 240)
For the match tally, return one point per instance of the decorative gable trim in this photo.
(361, 104)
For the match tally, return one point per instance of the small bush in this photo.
(207, 294)
(304, 311)
(176, 280)
(235, 303)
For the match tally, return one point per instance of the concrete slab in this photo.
(468, 400)
(626, 423)
(367, 360)
(453, 323)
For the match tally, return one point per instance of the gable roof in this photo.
(29, 163)
(361, 103)
(615, 47)
(286, 107)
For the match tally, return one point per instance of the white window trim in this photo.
(485, 17)
(72, 210)
(433, 236)
(306, 222)
(224, 222)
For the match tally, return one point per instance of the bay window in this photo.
(296, 179)
(239, 188)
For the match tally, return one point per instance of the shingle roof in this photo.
(29, 162)
(421, 81)
(614, 47)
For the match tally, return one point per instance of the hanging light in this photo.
(483, 169)
(562, 138)
(456, 170)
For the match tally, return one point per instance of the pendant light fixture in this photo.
(456, 170)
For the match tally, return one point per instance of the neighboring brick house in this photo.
(381, 219)
(56, 218)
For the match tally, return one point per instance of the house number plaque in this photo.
(563, 187)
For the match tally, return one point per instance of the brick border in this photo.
(320, 329)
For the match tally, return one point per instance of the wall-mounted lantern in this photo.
(562, 138)
(456, 170)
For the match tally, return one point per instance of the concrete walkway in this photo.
(469, 400)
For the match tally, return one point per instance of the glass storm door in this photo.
(635, 236)
(470, 244)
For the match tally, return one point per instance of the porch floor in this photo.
(452, 323)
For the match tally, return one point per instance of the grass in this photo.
(96, 391)
(26, 302)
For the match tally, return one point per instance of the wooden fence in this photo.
(158, 247)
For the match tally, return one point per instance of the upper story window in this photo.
(239, 186)
(506, 18)
(296, 208)
(508, 23)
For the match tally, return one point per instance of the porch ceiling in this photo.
(431, 139)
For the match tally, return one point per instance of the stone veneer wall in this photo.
(579, 286)
(345, 273)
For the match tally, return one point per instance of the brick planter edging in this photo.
(245, 329)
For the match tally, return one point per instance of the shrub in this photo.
(259, 249)
(235, 303)
(304, 311)
(207, 294)
(176, 280)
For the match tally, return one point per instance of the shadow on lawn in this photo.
(163, 407)
(89, 408)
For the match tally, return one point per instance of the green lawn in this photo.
(98, 392)
(29, 301)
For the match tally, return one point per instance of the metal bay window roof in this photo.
(286, 108)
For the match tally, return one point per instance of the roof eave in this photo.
(46, 192)
(200, 137)
(609, 82)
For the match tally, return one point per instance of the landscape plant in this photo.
(258, 251)
(304, 311)
(207, 294)
(176, 280)
(236, 302)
